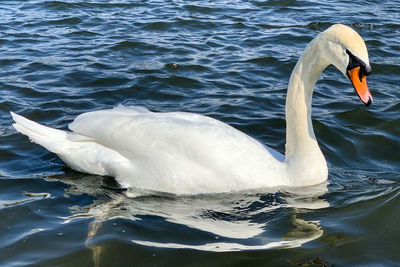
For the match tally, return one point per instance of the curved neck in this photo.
(299, 130)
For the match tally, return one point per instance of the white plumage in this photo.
(173, 152)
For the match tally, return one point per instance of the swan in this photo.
(186, 153)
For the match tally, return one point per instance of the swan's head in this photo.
(346, 50)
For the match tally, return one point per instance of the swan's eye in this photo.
(355, 62)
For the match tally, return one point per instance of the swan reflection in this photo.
(227, 222)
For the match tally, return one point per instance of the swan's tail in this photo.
(49, 138)
(79, 152)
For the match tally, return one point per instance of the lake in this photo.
(230, 60)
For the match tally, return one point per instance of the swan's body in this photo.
(186, 153)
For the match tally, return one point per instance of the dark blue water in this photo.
(230, 60)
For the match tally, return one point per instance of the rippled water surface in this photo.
(230, 60)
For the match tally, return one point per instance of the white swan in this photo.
(186, 153)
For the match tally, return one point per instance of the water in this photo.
(230, 60)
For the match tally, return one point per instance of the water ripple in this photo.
(227, 59)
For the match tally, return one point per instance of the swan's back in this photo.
(180, 152)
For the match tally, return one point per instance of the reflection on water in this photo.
(227, 222)
(28, 198)
(303, 231)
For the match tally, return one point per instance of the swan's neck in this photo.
(305, 159)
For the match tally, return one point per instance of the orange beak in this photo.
(360, 84)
